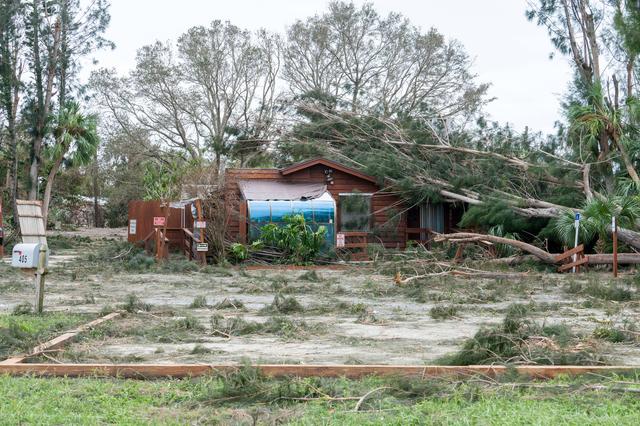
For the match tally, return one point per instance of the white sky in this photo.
(509, 52)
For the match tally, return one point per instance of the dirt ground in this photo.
(355, 315)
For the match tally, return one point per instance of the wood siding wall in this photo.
(388, 212)
(144, 212)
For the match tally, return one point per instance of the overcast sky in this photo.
(509, 52)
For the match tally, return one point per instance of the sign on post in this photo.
(614, 234)
(340, 240)
(201, 224)
(159, 221)
(133, 226)
(577, 225)
(202, 247)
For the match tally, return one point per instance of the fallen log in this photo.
(607, 259)
(543, 255)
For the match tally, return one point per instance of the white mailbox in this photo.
(27, 256)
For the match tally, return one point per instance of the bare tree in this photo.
(381, 65)
(215, 89)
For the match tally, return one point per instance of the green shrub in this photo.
(611, 334)
(441, 312)
(133, 304)
(296, 240)
(188, 323)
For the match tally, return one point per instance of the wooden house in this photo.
(353, 206)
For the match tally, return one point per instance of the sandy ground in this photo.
(398, 329)
(93, 233)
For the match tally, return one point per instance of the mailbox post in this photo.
(33, 257)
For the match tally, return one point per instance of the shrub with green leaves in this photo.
(295, 239)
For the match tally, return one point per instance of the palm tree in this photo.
(75, 134)
(596, 218)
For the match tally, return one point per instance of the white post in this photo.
(575, 244)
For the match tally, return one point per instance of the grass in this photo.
(277, 325)
(199, 302)
(519, 339)
(230, 304)
(611, 291)
(442, 312)
(20, 333)
(246, 397)
(283, 305)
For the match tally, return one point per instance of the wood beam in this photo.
(149, 371)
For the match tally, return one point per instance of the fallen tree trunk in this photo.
(535, 252)
(607, 259)
(463, 237)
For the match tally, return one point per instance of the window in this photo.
(355, 212)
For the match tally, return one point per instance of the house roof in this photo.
(328, 163)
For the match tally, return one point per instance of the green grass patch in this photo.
(20, 333)
(247, 397)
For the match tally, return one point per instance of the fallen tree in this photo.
(534, 252)
(467, 237)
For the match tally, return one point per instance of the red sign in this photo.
(159, 221)
(340, 240)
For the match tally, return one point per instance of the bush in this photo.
(296, 240)
(520, 340)
(133, 304)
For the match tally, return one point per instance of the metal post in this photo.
(39, 281)
(203, 255)
(614, 234)
(575, 244)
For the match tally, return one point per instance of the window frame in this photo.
(369, 214)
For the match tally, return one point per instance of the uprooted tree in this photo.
(520, 182)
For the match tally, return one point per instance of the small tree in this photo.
(75, 142)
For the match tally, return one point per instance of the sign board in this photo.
(200, 224)
(133, 226)
(339, 240)
(159, 221)
(202, 247)
(613, 224)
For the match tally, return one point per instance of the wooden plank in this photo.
(567, 266)
(60, 340)
(149, 371)
(569, 253)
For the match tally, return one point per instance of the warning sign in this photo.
(340, 240)
(200, 224)
(202, 247)
(159, 221)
